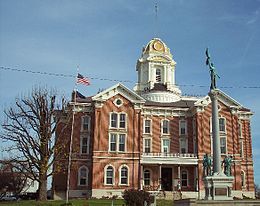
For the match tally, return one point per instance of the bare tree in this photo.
(30, 127)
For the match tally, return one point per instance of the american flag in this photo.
(82, 80)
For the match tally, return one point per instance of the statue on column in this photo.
(207, 163)
(212, 71)
(227, 165)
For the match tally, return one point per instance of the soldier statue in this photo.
(227, 165)
(207, 163)
(212, 71)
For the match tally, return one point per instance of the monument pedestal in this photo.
(218, 187)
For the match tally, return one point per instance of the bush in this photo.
(134, 197)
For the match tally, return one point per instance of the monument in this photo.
(218, 185)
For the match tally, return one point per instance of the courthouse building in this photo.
(152, 137)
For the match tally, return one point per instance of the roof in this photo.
(178, 104)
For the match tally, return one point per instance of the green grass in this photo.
(93, 202)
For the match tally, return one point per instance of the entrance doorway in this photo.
(166, 179)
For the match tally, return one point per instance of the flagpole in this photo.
(71, 138)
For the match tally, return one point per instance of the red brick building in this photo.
(153, 137)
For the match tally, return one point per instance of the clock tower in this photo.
(156, 73)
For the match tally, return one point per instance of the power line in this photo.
(60, 74)
(117, 80)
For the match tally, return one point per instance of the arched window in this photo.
(158, 75)
(124, 175)
(147, 177)
(83, 176)
(243, 178)
(184, 178)
(109, 175)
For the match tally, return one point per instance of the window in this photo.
(118, 120)
(223, 145)
(158, 75)
(85, 123)
(117, 142)
(240, 130)
(147, 126)
(109, 175)
(121, 142)
(124, 175)
(147, 145)
(182, 127)
(113, 138)
(166, 145)
(222, 125)
(184, 178)
(241, 147)
(122, 120)
(183, 145)
(147, 177)
(84, 144)
(83, 176)
(243, 178)
(113, 120)
(165, 126)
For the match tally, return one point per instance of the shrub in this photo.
(134, 197)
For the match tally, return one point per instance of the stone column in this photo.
(215, 133)
(142, 177)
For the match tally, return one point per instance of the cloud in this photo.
(254, 18)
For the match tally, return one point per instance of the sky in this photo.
(104, 39)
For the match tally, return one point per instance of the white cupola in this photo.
(156, 73)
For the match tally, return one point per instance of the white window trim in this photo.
(151, 126)
(118, 120)
(185, 170)
(117, 142)
(186, 144)
(124, 128)
(165, 138)
(110, 116)
(241, 147)
(87, 171)
(168, 133)
(118, 105)
(182, 120)
(151, 141)
(105, 175)
(223, 136)
(240, 130)
(82, 122)
(119, 170)
(225, 121)
(81, 138)
(150, 176)
(125, 150)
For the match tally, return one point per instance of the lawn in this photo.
(77, 203)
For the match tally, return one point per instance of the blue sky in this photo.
(105, 39)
